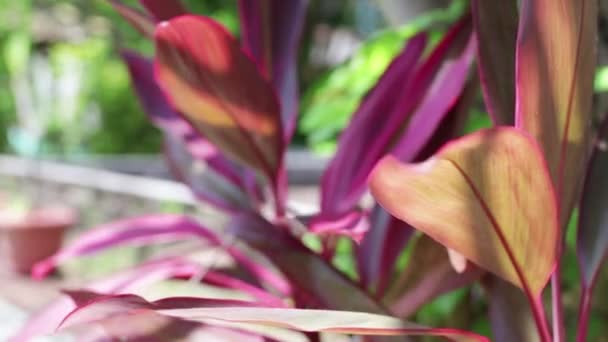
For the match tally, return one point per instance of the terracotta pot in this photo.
(28, 238)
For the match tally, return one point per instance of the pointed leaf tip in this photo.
(555, 67)
(487, 196)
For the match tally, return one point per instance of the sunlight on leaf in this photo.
(473, 197)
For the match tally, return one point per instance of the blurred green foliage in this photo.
(63, 86)
(601, 80)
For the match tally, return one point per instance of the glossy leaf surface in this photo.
(201, 68)
(556, 59)
(496, 30)
(473, 196)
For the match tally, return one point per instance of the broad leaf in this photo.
(487, 196)
(193, 159)
(344, 322)
(428, 275)
(164, 9)
(218, 88)
(271, 31)
(496, 30)
(556, 59)
(592, 239)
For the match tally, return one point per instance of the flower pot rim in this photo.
(46, 217)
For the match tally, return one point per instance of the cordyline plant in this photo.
(492, 206)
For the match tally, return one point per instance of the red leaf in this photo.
(220, 91)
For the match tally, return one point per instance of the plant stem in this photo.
(538, 312)
(559, 333)
(583, 318)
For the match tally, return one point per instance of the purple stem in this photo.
(583, 318)
(556, 301)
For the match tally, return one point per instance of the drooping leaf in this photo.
(406, 106)
(592, 238)
(218, 88)
(474, 197)
(46, 320)
(556, 59)
(317, 283)
(428, 275)
(378, 252)
(509, 312)
(271, 31)
(342, 322)
(496, 30)
(150, 326)
(155, 229)
(164, 9)
(140, 21)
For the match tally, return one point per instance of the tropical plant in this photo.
(492, 206)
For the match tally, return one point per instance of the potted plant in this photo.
(30, 233)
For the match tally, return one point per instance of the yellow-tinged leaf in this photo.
(487, 196)
(556, 60)
(207, 77)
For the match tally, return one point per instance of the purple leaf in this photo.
(222, 183)
(496, 30)
(342, 322)
(150, 229)
(449, 76)
(407, 106)
(271, 31)
(220, 91)
(353, 224)
(318, 282)
(164, 9)
(428, 275)
(379, 108)
(48, 319)
(379, 250)
(592, 235)
(509, 310)
(154, 229)
(100, 317)
(592, 239)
